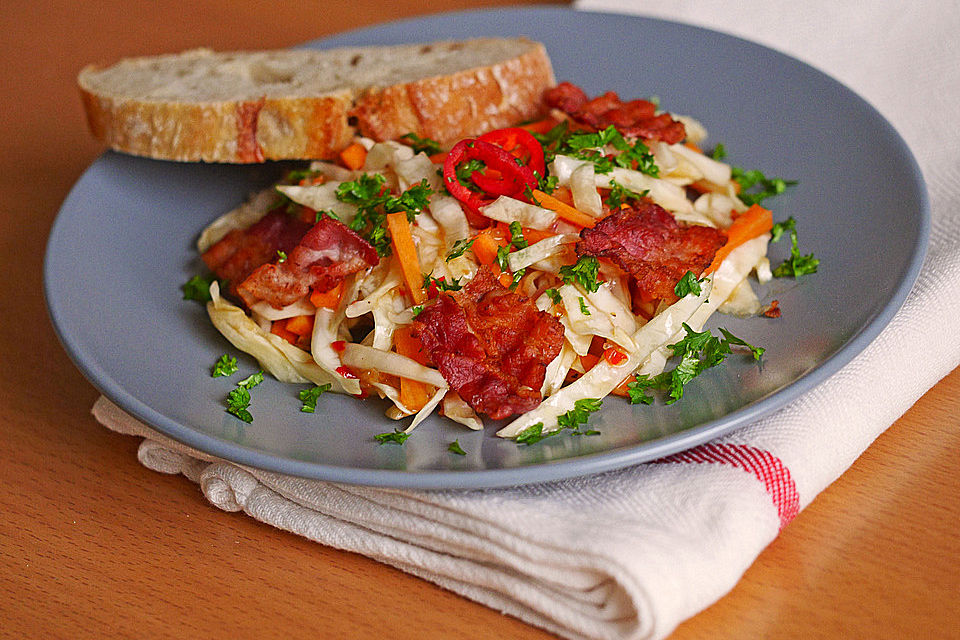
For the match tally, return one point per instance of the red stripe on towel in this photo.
(765, 466)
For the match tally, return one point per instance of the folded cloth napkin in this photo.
(632, 553)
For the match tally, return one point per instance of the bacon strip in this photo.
(648, 243)
(328, 253)
(491, 344)
(636, 118)
(241, 251)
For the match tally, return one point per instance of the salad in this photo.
(523, 275)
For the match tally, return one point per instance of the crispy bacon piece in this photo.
(646, 242)
(636, 118)
(241, 251)
(326, 254)
(491, 344)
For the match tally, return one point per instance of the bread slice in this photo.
(252, 106)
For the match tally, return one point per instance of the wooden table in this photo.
(93, 544)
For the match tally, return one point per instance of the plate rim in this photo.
(544, 471)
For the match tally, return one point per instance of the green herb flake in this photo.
(417, 310)
(197, 288)
(225, 367)
(796, 265)
(459, 247)
(454, 447)
(281, 256)
(697, 352)
(554, 295)
(422, 145)
(251, 381)
(620, 194)
(763, 186)
(309, 397)
(238, 403)
(688, 284)
(583, 306)
(570, 421)
(397, 436)
(584, 273)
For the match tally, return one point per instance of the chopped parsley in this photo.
(763, 186)
(397, 436)
(587, 146)
(697, 351)
(584, 273)
(326, 212)
(417, 310)
(554, 295)
(583, 306)
(281, 256)
(373, 202)
(571, 420)
(796, 265)
(225, 367)
(441, 283)
(309, 397)
(459, 247)
(454, 447)
(197, 288)
(238, 400)
(687, 284)
(422, 145)
(620, 194)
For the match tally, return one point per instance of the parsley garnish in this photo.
(197, 288)
(309, 397)
(397, 436)
(424, 145)
(768, 187)
(281, 256)
(583, 272)
(454, 447)
(571, 420)
(554, 295)
(637, 156)
(373, 203)
(325, 212)
(620, 194)
(796, 265)
(583, 306)
(698, 351)
(417, 310)
(238, 400)
(687, 284)
(516, 235)
(466, 169)
(226, 366)
(459, 247)
(441, 283)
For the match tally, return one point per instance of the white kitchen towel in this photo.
(632, 553)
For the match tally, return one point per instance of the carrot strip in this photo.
(563, 210)
(564, 195)
(354, 156)
(622, 389)
(692, 146)
(533, 236)
(413, 393)
(748, 225)
(300, 325)
(485, 247)
(406, 252)
(328, 299)
(279, 328)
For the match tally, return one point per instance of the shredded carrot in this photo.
(279, 328)
(693, 146)
(563, 210)
(485, 247)
(748, 225)
(621, 389)
(413, 393)
(564, 195)
(406, 252)
(536, 235)
(300, 325)
(354, 156)
(328, 299)
(439, 158)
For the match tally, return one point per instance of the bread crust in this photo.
(444, 108)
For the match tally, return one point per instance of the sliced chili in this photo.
(504, 174)
(521, 144)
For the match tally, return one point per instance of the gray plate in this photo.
(123, 244)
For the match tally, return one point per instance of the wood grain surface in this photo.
(94, 545)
